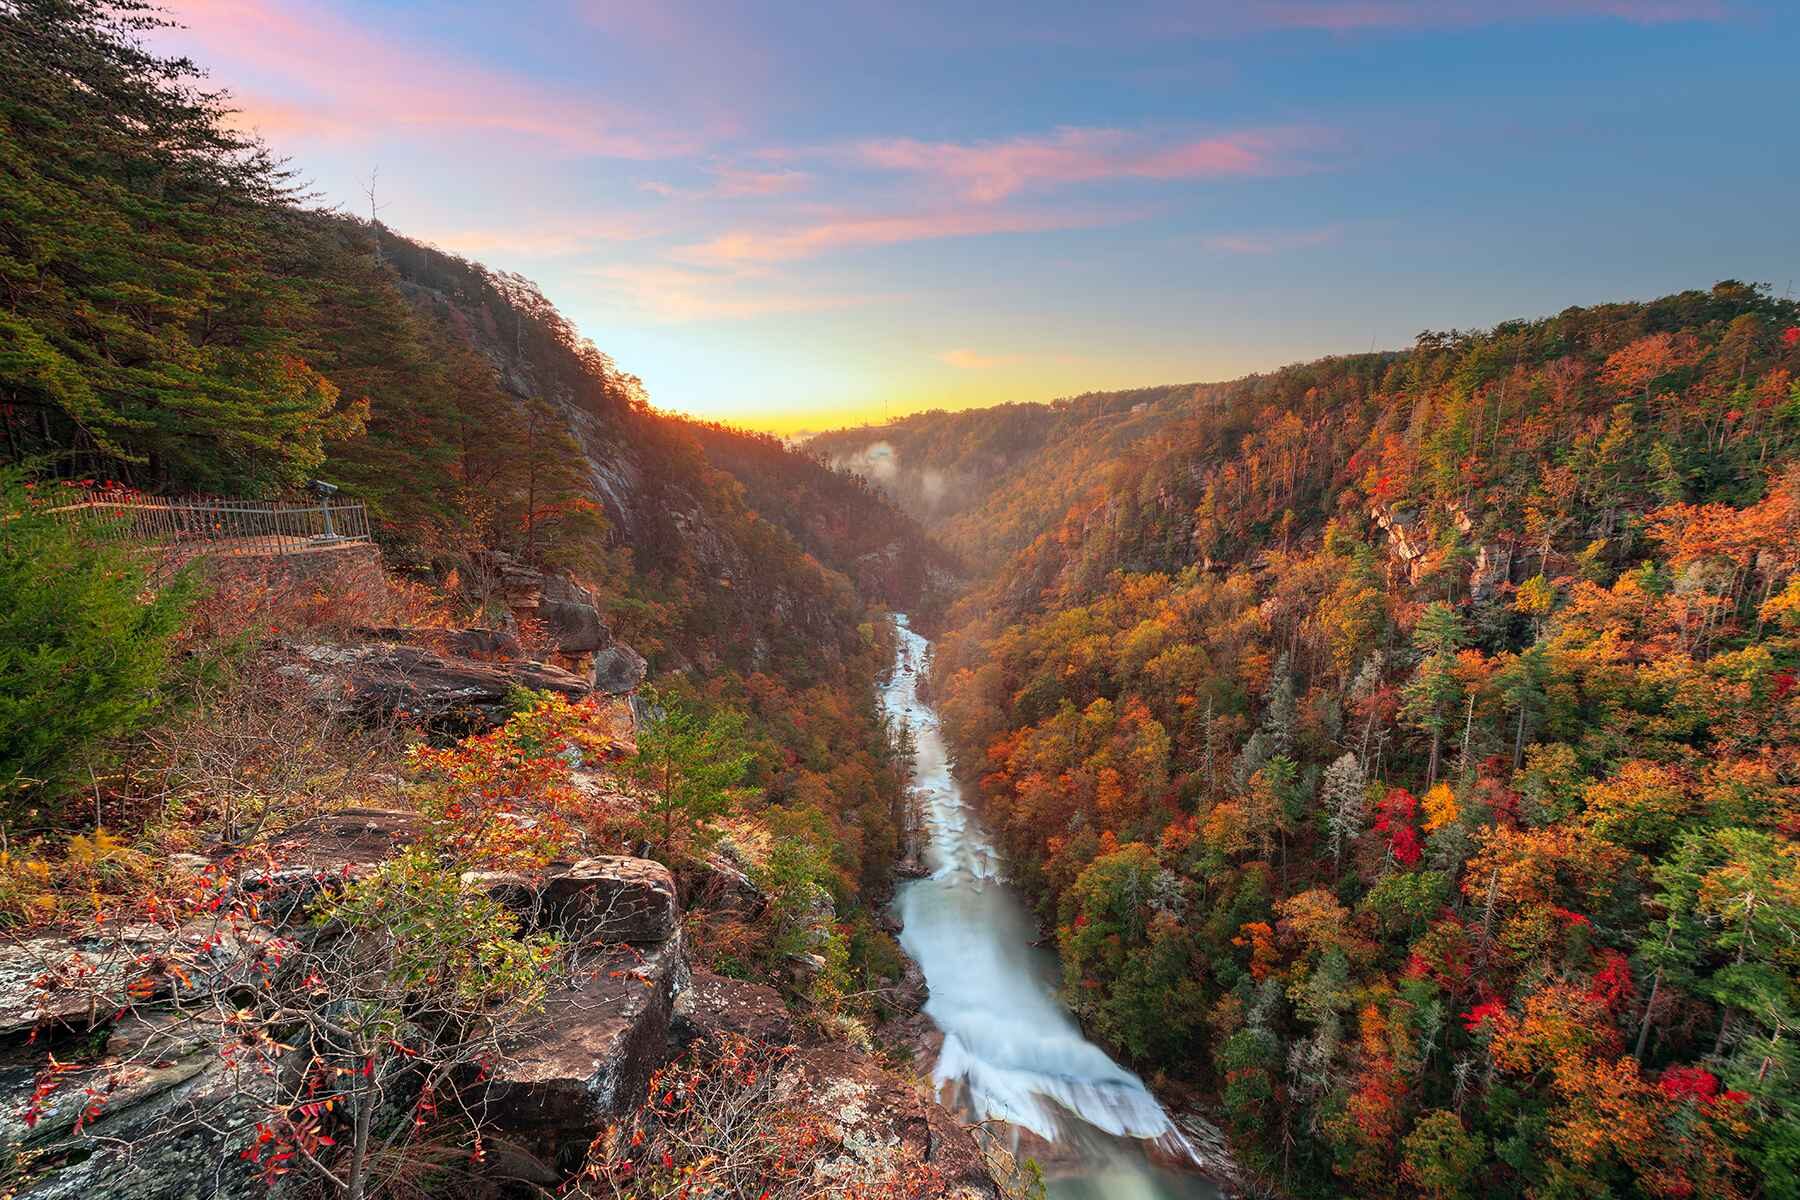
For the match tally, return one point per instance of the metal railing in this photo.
(214, 526)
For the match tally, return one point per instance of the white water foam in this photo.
(1008, 1042)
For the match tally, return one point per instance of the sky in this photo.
(800, 216)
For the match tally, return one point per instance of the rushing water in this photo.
(1011, 1051)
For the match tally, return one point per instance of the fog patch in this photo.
(876, 461)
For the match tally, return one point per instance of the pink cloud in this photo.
(1273, 242)
(735, 181)
(302, 71)
(731, 183)
(681, 294)
(849, 232)
(990, 171)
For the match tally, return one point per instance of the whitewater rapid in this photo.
(1011, 1051)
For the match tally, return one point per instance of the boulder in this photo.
(618, 669)
(877, 1120)
(380, 682)
(713, 1004)
(571, 617)
(720, 885)
(611, 899)
(326, 851)
(588, 1052)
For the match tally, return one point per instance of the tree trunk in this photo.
(1743, 944)
(1649, 1007)
(359, 1152)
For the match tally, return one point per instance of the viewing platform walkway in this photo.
(183, 528)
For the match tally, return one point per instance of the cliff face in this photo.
(747, 592)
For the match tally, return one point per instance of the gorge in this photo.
(1011, 1052)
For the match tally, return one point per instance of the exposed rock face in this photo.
(878, 1119)
(568, 612)
(611, 899)
(1212, 1152)
(79, 980)
(714, 1004)
(618, 669)
(171, 1125)
(382, 681)
(589, 1053)
(480, 644)
(571, 616)
(327, 851)
(1406, 537)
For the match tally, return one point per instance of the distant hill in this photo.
(985, 480)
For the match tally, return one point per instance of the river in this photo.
(1011, 1051)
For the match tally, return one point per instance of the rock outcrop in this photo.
(612, 899)
(76, 981)
(380, 682)
(714, 1004)
(327, 851)
(588, 1053)
(879, 1121)
(718, 884)
(165, 1096)
(475, 642)
(618, 669)
(135, 1124)
(1405, 533)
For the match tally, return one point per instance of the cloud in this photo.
(986, 172)
(680, 294)
(1273, 242)
(731, 183)
(974, 360)
(854, 231)
(318, 75)
(735, 181)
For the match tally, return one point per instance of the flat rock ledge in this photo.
(381, 682)
(587, 1055)
(611, 899)
(171, 1127)
(713, 1004)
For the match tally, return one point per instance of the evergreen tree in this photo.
(689, 766)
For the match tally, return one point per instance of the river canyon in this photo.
(1011, 1052)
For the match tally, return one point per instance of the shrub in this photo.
(85, 649)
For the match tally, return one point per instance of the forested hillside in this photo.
(987, 480)
(1403, 747)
